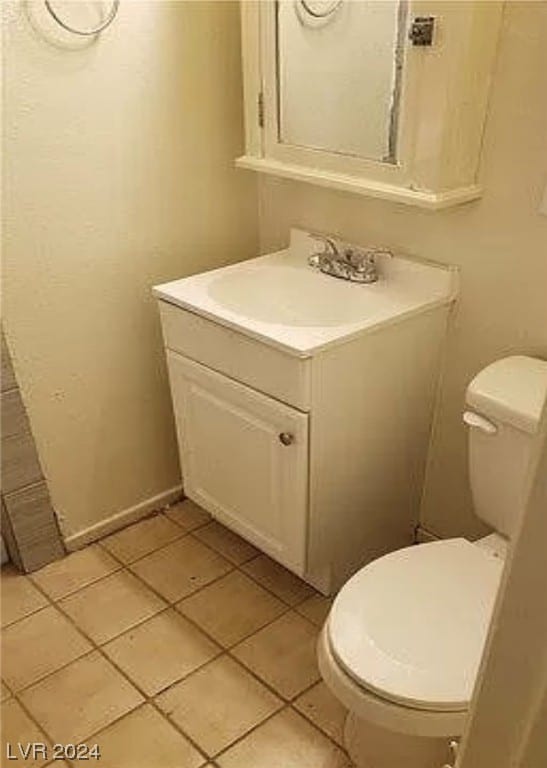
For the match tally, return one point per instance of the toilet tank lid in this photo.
(512, 390)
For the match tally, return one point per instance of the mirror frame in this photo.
(444, 96)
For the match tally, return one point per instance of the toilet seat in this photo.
(410, 627)
(386, 714)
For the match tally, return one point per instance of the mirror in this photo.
(339, 70)
(386, 98)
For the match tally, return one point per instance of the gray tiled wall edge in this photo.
(29, 524)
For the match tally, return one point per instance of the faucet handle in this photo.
(359, 258)
(329, 243)
(381, 251)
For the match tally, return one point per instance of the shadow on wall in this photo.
(82, 16)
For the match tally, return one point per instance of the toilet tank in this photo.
(507, 417)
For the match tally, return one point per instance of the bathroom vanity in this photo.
(303, 403)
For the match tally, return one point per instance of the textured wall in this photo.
(500, 244)
(117, 175)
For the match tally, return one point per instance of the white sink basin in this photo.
(291, 296)
(283, 301)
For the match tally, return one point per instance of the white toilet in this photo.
(404, 637)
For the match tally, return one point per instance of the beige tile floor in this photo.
(171, 644)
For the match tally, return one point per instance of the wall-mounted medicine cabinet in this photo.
(386, 99)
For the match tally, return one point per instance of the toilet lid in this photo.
(411, 625)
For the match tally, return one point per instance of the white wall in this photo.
(500, 244)
(118, 174)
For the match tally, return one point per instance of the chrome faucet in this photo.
(345, 261)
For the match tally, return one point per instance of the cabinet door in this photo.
(244, 458)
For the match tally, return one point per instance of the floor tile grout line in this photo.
(318, 727)
(146, 699)
(225, 651)
(95, 645)
(128, 566)
(56, 603)
(228, 650)
(261, 584)
(159, 513)
(121, 563)
(222, 651)
(26, 688)
(21, 618)
(33, 719)
(173, 603)
(206, 544)
(169, 604)
(102, 577)
(150, 702)
(299, 696)
(234, 567)
(97, 648)
(180, 729)
(251, 730)
(147, 702)
(181, 535)
(181, 525)
(305, 690)
(238, 566)
(286, 707)
(286, 702)
(128, 563)
(17, 694)
(165, 607)
(26, 615)
(151, 699)
(219, 551)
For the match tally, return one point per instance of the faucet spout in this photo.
(347, 262)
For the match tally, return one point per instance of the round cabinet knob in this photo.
(286, 438)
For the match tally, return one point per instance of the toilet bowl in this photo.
(403, 641)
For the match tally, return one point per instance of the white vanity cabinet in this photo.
(245, 458)
(303, 404)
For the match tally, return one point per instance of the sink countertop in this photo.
(282, 301)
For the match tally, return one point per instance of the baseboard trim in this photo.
(423, 535)
(121, 519)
